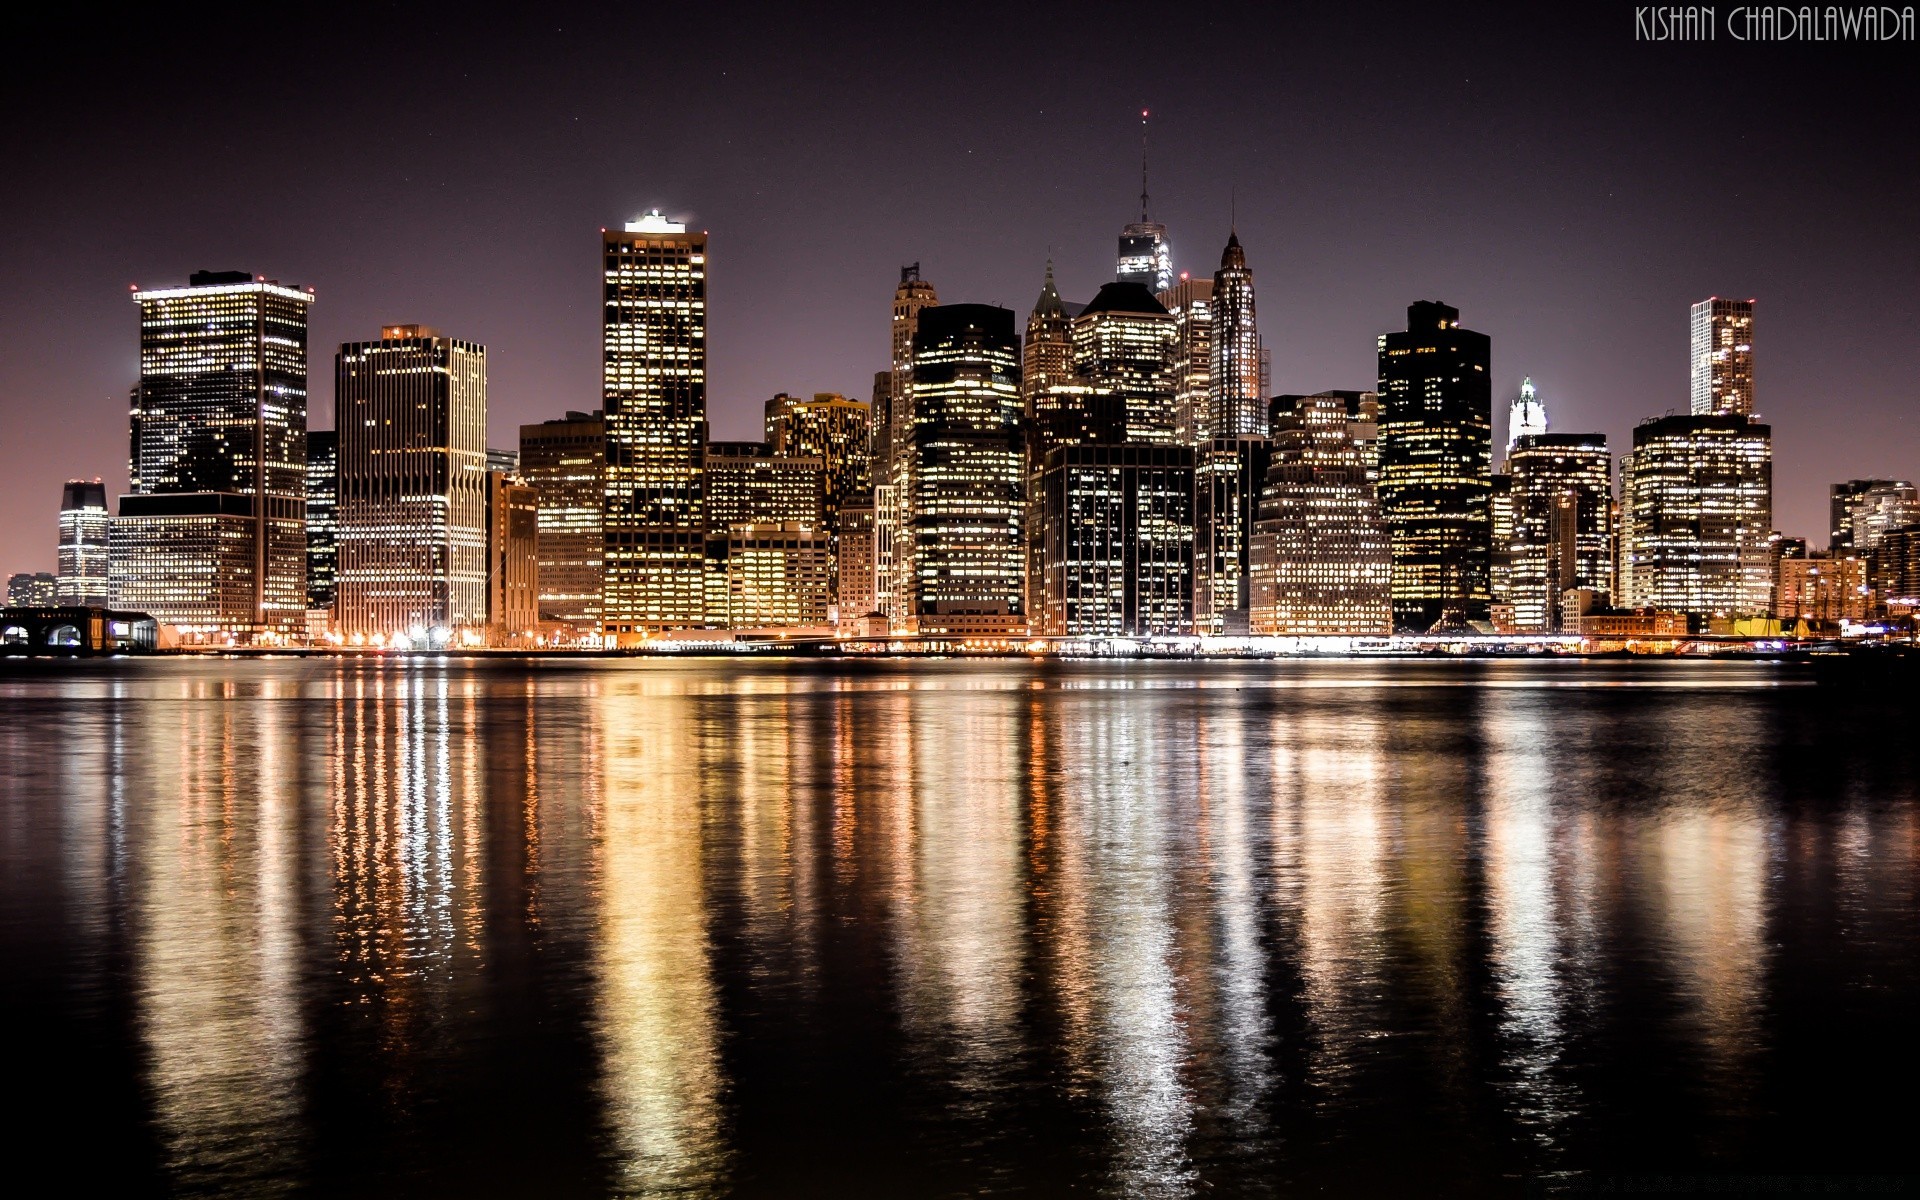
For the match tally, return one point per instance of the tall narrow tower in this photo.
(1145, 256)
(1526, 417)
(1046, 357)
(1234, 405)
(654, 354)
(892, 502)
(1722, 359)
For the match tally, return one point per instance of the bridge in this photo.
(76, 631)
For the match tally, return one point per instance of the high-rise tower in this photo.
(1191, 303)
(1046, 357)
(1123, 345)
(565, 462)
(1436, 465)
(1526, 417)
(1722, 359)
(1145, 257)
(1234, 404)
(654, 355)
(212, 538)
(323, 506)
(84, 524)
(893, 544)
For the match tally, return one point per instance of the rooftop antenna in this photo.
(1143, 166)
(1233, 209)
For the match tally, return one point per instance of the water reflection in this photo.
(1136, 930)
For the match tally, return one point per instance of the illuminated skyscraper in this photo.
(1697, 508)
(1320, 562)
(833, 430)
(1887, 505)
(564, 461)
(1228, 474)
(323, 504)
(1116, 541)
(1191, 303)
(1845, 502)
(1722, 358)
(1500, 538)
(1234, 405)
(1145, 257)
(213, 537)
(853, 561)
(776, 574)
(513, 561)
(411, 414)
(1562, 497)
(1124, 344)
(84, 523)
(655, 386)
(748, 484)
(1526, 417)
(1046, 356)
(965, 458)
(1436, 468)
(893, 547)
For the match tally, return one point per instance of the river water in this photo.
(699, 928)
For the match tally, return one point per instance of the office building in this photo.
(830, 429)
(1123, 344)
(748, 484)
(1893, 571)
(84, 524)
(853, 562)
(1235, 402)
(1436, 469)
(654, 383)
(1526, 416)
(564, 461)
(1562, 502)
(513, 562)
(411, 414)
(1190, 302)
(1697, 508)
(1721, 363)
(965, 459)
(1821, 587)
(777, 573)
(1046, 354)
(1116, 541)
(1363, 421)
(1229, 474)
(893, 544)
(1844, 500)
(33, 589)
(1885, 506)
(1500, 539)
(323, 505)
(212, 538)
(1321, 561)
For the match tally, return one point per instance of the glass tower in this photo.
(1191, 303)
(654, 364)
(1234, 407)
(1697, 508)
(1124, 344)
(83, 543)
(212, 539)
(323, 498)
(1721, 364)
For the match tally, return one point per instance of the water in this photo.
(941, 929)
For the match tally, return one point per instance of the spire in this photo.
(1233, 258)
(1049, 304)
(1143, 166)
(1528, 415)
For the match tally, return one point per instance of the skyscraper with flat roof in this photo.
(1721, 363)
(212, 538)
(1436, 466)
(1191, 303)
(1697, 509)
(84, 524)
(323, 506)
(893, 501)
(654, 380)
(564, 461)
(1562, 497)
(412, 530)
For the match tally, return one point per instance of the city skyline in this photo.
(1577, 281)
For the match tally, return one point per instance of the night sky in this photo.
(1571, 191)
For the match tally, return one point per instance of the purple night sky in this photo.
(1571, 191)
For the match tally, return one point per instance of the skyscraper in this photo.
(1562, 495)
(1191, 303)
(832, 430)
(1526, 417)
(1234, 405)
(1697, 508)
(1228, 475)
(513, 562)
(84, 524)
(1116, 541)
(1886, 506)
(1436, 452)
(1721, 365)
(212, 539)
(965, 458)
(33, 589)
(564, 461)
(1320, 562)
(411, 412)
(1145, 257)
(1046, 356)
(1123, 344)
(323, 505)
(1845, 500)
(654, 354)
(893, 544)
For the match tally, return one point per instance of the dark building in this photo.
(1228, 473)
(1127, 343)
(1562, 503)
(1845, 501)
(565, 462)
(965, 473)
(1116, 541)
(1436, 466)
(323, 500)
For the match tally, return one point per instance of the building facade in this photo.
(411, 413)
(748, 484)
(33, 589)
(212, 538)
(777, 573)
(853, 562)
(1697, 509)
(1562, 500)
(1116, 541)
(323, 526)
(1720, 366)
(1229, 474)
(965, 456)
(84, 531)
(1880, 509)
(654, 385)
(1235, 403)
(1822, 587)
(1436, 468)
(1123, 344)
(1046, 354)
(1321, 561)
(1844, 500)
(513, 559)
(564, 461)
(1526, 416)
(1190, 301)
(892, 501)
